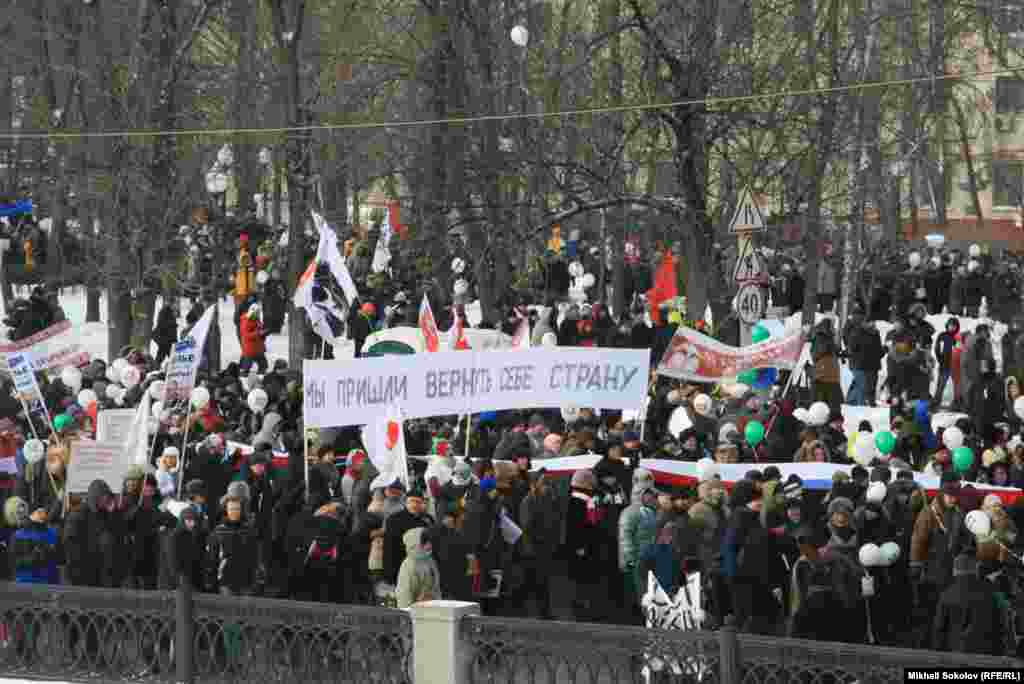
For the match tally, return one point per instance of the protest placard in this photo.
(115, 425)
(355, 392)
(107, 461)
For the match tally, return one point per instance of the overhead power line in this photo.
(456, 121)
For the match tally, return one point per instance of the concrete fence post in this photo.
(439, 654)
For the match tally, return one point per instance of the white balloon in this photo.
(974, 251)
(113, 373)
(679, 421)
(258, 400)
(458, 265)
(915, 260)
(158, 390)
(72, 378)
(936, 261)
(803, 415)
(864, 451)
(461, 286)
(153, 425)
(119, 364)
(978, 522)
(1018, 407)
(113, 390)
(876, 492)
(200, 397)
(87, 398)
(520, 36)
(549, 340)
(34, 451)
(576, 269)
(131, 376)
(262, 278)
(890, 552)
(589, 281)
(953, 438)
(870, 555)
(973, 265)
(819, 413)
(157, 409)
(702, 405)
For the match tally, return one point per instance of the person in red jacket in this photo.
(254, 348)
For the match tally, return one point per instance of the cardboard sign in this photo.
(107, 461)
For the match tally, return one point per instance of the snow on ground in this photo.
(93, 336)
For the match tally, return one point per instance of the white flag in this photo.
(185, 360)
(385, 446)
(137, 443)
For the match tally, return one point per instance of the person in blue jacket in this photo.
(35, 546)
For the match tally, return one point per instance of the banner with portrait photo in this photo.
(699, 358)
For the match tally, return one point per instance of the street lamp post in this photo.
(216, 185)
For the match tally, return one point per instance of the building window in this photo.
(1009, 95)
(1007, 183)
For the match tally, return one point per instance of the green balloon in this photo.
(62, 421)
(885, 442)
(748, 378)
(759, 334)
(754, 432)
(963, 459)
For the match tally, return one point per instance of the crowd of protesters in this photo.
(776, 555)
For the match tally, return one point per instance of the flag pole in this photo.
(469, 429)
(305, 459)
(184, 443)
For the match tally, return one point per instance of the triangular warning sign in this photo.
(748, 217)
(748, 264)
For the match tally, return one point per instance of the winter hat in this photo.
(16, 512)
(840, 505)
(859, 473)
(865, 426)
(195, 488)
(772, 473)
(582, 479)
(876, 492)
(238, 490)
(171, 451)
(743, 493)
(487, 484)
(794, 488)
(950, 484)
(840, 476)
(134, 472)
(631, 436)
(462, 475)
(965, 565)
(553, 442)
(754, 476)
(643, 478)
(992, 456)
(881, 474)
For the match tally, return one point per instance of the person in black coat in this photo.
(231, 553)
(582, 544)
(42, 486)
(91, 540)
(165, 334)
(540, 518)
(987, 402)
(141, 522)
(482, 532)
(319, 557)
(275, 299)
(414, 515)
(181, 550)
(752, 562)
(968, 618)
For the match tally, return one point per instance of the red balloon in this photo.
(393, 434)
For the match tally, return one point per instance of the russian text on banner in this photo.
(355, 392)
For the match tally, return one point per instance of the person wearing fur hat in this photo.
(91, 543)
(35, 546)
(168, 472)
(141, 523)
(231, 553)
(752, 562)
(995, 546)
(939, 535)
(968, 617)
(840, 532)
(414, 514)
(584, 542)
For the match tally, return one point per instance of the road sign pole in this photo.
(747, 219)
(743, 247)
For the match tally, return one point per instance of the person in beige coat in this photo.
(419, 578)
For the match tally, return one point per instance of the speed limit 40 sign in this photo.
(751, 303)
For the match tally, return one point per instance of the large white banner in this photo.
(55, 347)
(355, 392)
